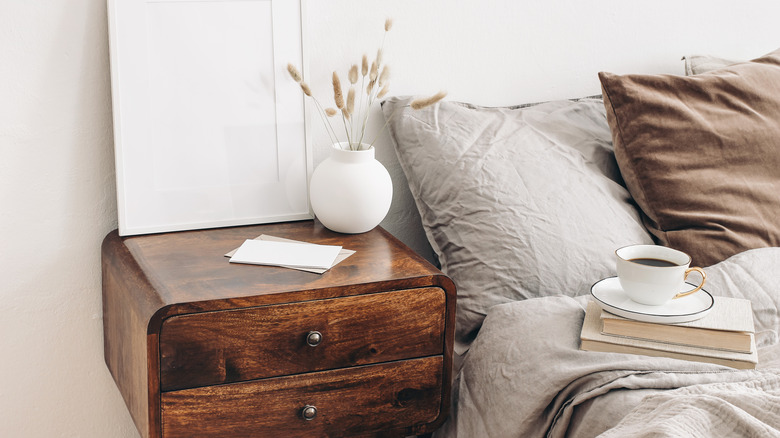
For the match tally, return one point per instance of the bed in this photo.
(524, 207)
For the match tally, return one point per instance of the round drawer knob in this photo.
(309, 412)
(314, 338)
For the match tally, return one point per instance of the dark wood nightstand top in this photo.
(188, 272)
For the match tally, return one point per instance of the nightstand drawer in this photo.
(405, 394)
(253, 343)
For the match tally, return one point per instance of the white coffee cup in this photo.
(654, 275)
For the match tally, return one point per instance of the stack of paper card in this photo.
(275, 251)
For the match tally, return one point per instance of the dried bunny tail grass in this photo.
(384, 76)
(427, 101)
(370, 87)
(306, 89)
(383, 91)
(379, 57)
(353, 74)
(388, 24)
(330, 112)
(345, 113)
(351, 100)
(294, 73)
(338, 97)
(364, 69)
(374, 71)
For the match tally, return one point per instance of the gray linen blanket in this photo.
(525, 376)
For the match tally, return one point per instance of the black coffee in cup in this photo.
(653, 262)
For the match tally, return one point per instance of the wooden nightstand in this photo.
(202, 347)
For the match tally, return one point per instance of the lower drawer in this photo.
(342, 402)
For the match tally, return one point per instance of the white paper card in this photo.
(304, 255)
(343, 254)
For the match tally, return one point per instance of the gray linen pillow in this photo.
(517, 202)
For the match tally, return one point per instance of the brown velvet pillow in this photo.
(701, 155)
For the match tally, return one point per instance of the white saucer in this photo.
(610, 296)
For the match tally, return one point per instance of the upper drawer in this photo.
(233, 345)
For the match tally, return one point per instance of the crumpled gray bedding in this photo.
(525, 376)
(749, 408)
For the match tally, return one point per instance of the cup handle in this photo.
(703, 279)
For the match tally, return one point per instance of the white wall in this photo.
(57, 201)
(56, 161)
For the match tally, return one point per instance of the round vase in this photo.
(350, 191)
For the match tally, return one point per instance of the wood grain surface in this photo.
(348, 402)
(233, 345)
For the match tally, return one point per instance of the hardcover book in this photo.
(728, 326)
(591, 339)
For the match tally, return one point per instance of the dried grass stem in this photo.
(338, 97)
(427, 101)
(296, 75)
(374, 79)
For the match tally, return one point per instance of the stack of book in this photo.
(725, 336)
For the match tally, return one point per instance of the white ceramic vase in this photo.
(350, 191)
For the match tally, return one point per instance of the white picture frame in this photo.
(209, 129)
